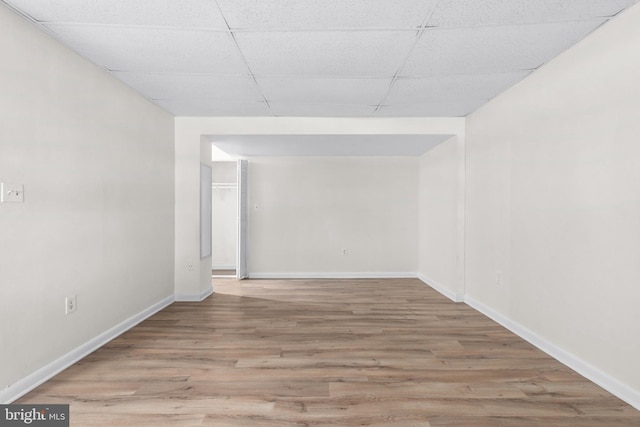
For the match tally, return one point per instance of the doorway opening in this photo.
(224, 219)
(229, 217)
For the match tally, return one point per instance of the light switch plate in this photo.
(11, 193)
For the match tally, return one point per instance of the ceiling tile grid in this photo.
(333, 58)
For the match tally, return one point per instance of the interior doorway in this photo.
(230, 215)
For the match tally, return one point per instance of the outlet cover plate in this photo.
(11, 193)
(70, 304)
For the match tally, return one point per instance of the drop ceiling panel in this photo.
(336, 53)
(326, 14)
(324, 90)
(189, 86)
(183, 13)
(493, 49)
(447, 108)
(153, 49)
(332, 58)
(321, 110)
(468, 13)
(451, 88)
(212, 107)
(327, 145)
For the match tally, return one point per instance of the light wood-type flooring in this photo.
(321, 353)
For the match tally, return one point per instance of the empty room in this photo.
(434, 213)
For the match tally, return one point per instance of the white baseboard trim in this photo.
(223, 267)
(194, 297)
(33, 380)
(362, 275)
(607, 382)
(442, 289)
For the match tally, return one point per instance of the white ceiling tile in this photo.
(181, 54)
(492, 49)
(313, 14)
(188, 86)
(324, 90)
(327, 145)
(339, 53)
(321, 110)
(468, 13)
(154, 49)
(210, 107)
(183, 13)
(458, 108)
(451, 88)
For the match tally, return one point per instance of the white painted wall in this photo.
(438, 218)
(96, 161)
(553, 202)
(192, 273)
(304, 211)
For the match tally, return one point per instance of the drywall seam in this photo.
(33, 380)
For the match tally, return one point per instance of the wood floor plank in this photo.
(323, 353)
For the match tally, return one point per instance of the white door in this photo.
(242, 271)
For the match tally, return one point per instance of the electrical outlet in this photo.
(11, 193)
(70, 304)
(344, 252)
(190, 267)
